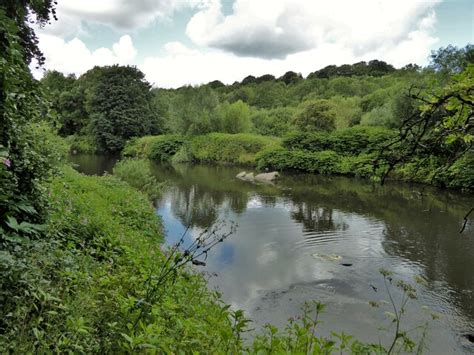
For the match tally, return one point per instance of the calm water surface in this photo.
(294, 236)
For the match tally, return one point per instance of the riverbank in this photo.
(346, 152)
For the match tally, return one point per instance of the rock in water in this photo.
(267, 177)
(245, 176)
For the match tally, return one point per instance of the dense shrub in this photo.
(157, 148)
(229, 148)
(82, 144)
(349, 141)
(165, 147)
(322, 162)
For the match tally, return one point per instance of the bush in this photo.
(164, 147)
(82, 144)
(137, 173)
(229, 148)
(322, 162)
(349, 141)
(316, 115)
(157, 148)
(325, 162)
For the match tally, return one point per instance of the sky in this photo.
(192, 42)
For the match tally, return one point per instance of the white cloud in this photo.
(276, 28)
(73, 57)
(123, 15)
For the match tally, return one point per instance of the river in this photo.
(310, 237)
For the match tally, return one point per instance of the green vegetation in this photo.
(137, 173)
(209, 148)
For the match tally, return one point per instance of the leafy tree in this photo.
(250, 79)
(270, 94)
(265, 77)
(443, 129)
(316, 115)
(274, 122)
(235, 117)
(121, 108)
(193, 111)
(451, 59)
(215, 84)
(290, 77)
(22, 168)
(67, 100)
(20, 11)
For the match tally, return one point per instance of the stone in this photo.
(267, 177)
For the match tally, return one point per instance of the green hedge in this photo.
(157, 148)
(348, 141)
(229, 148)
(323, 162)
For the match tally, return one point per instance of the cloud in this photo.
(123, 15)
(73, 57)
(277, 28)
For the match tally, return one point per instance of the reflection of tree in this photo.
(316, 218)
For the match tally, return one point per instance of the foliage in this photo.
(82, 144)
(120, 108)
(23, 169)
(229, 148)
(315, 115)
(349, 141)
(452, 60)
(321, 162)
(137, 173)
(157, 148)
(235, 117)
(442, 129)
(274, 122)
(193, 111)
(22, 15)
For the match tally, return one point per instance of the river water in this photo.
(310, 237)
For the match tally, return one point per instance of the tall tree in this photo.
(316, 115)
(22, 168)
(121, 107)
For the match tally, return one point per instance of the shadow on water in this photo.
(295, 237)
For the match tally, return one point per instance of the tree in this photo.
(67, 99)
(442, 128)
(193, 111)
(316, 115)
(290, 77)
(121, 107)
(21, 12)
(235, 117)
(451, 59)
(22, 168)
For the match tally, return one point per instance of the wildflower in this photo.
(7, 162)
